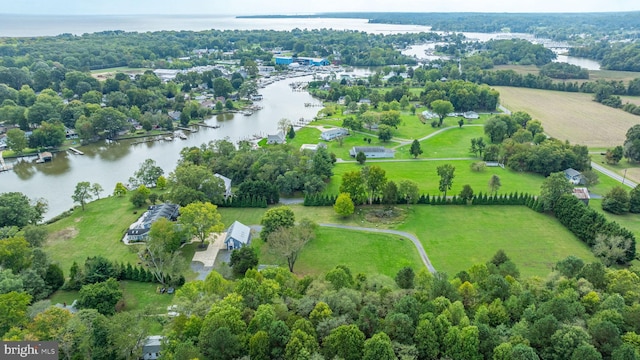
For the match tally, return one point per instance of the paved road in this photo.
(416, 242)
(613, 175)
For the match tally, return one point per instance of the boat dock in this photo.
(186, 129)
(75, 151)
(3, 166)
(208, 126)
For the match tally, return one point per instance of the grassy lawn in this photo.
(311, 135)
(571, 116)
(137, 296)
(424, 173)
(454, 142)
(96, 231)
(632, 170)
(533, 241)
(362, 252)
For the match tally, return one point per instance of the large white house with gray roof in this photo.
(227, 184)
(372, 151)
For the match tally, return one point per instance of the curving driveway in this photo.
(413, 238)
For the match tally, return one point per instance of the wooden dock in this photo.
(76, 151)
(3, 166)
(186, 129)
(208, 126)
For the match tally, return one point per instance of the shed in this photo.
(312, 147)
(238, 235)
(582, 193)
(471, 115)
(372, 151)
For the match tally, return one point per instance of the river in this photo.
(108, 164)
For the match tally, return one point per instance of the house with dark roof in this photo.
(582, 193)
(139, 231)
(372, 151)
(227, 184)
(574, 176)
(238, 235)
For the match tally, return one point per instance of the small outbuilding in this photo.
(582, 193)
(372, 151)
(238, 235)
(471, 115)
(313, 147)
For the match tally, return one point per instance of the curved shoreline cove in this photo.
(110, 163)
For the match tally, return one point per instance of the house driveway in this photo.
(203, 261)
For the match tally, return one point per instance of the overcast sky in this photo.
(240, 7)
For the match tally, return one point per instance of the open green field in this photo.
(571, 116)
(96, 231)
(137, 296)
(103, 74)
(311, 135)
(424, 173)
(594, 75)
(456, 237)
(362, 252)
(451, 143)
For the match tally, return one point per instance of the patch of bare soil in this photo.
(64, 234)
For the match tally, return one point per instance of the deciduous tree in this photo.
(552, 188)
(344, 205)
(415, 149)
(82, 193)
(275, 218)
(288, 242)
(441, 108)
(16, 140)
(200, 220)
(446, 173)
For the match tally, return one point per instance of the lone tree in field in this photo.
(120, 190)
(344, 205)
(200, 220)
(289, 241)
(494, 184)
(276, 218)
(415, 149)
(82, 193)
(441, 108)
(446, 177)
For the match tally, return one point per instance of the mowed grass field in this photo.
(456, 237)
(424, 173)
(96, 231)
(571, 116)
(363, 252)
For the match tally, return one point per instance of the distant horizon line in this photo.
(324, 13)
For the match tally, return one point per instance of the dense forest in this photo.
(164, 48)
(612, 56)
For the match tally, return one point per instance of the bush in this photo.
(616, 201)
(478, 166)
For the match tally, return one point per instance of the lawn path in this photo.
(404, 142)
(413, 238)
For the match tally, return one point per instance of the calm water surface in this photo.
(108, 164)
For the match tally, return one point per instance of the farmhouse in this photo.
(227, 184)
(238, 235)
(372, 151)
(582, 193)
(276, 138)
(139, 231)
(574, 176)
(331, 134)
(313, 147)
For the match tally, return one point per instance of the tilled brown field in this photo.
(571, 116)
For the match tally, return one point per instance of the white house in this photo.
(227, 184)
(574, 176)
(276, 138)
(139, 231)
(331, 134)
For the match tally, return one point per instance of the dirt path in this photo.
(413, 238)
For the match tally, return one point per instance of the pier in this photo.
(3, 166)
(75, 151)
(208, 126)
